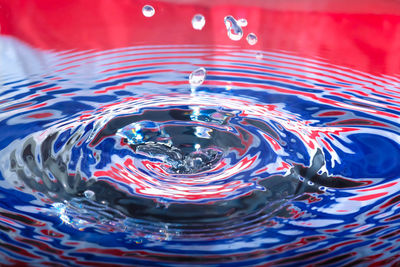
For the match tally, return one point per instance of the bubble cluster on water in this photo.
(198, 22)
(148, 11)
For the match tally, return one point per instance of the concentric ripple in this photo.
(202, 168)
(264, 161)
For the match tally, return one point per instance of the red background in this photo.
(364, 35)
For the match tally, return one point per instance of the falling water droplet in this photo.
(197, 77)
(259, 56)
(88, 194)
(242, 22)
(148, 11)
(235, 32)
(251, 39)
(198, 22)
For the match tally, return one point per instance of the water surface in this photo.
(113, 156)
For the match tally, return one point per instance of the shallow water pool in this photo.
(248, 150)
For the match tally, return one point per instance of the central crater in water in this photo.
(183, 141)
(201, 167)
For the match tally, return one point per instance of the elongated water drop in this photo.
(148, 11)
(235, 32)
(198, 22)
(197, 77)
(251, 39)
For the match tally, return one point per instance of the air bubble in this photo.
(148, 11)
(197, 77)
(235, 32)
(88, 194)
(251, 39)
(198, 22)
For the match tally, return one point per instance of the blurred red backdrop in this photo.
(364, 35)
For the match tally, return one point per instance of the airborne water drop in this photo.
(197, 77)
(148, 11)
(242, 22)
(251, 39)
(235, 32)
(198, 22)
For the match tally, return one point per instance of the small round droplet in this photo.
(198, 22)
(259, 56)
(88, 194)
(251, 39)
(235, 32)
(148, 11)
(197, 77)
(242, 22)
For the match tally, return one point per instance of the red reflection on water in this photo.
(41, 115)
(187, 189)
(369, 197)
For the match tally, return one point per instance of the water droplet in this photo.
(197, 77)
(235, 32)
(228, 87)
(198, 22)
(141, 132)
(88, 194)
(242, 22)
(251, 39)
(259, 56)
(59, 206)
(148, 11)
(322, 188)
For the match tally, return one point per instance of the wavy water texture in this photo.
(113, 157)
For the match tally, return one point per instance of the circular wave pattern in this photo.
(262, 163)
